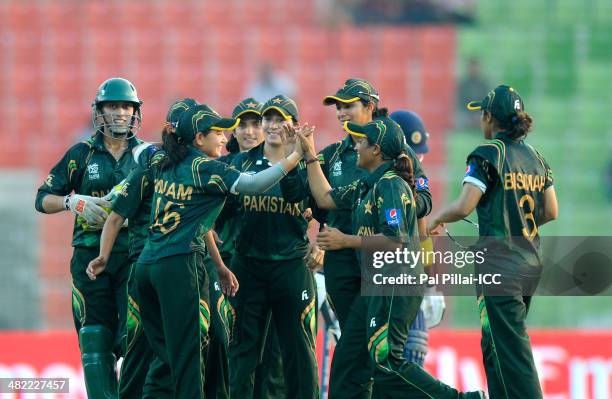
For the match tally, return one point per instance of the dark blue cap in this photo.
(414, 130)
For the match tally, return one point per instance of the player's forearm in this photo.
(110, 231)
(452, 213)
(319, 186)
(351, 241)
(52, 204)
(213, 250)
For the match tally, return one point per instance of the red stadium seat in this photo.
(24, 16)
(228, 47)
(216, 14)
(60, 15)
(312, 46)
(354, 45)
(271, 45)
(191, 46)
(65, 47)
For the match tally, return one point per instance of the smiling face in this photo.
(116, 117)
(366, 153)
(354, 112)
(249, 132)
(272, 125)
(211, 143)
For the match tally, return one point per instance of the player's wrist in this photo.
(66, 203)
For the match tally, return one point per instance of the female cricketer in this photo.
(382, 204)
(132, 201)
(269, 263)
(85, 174)
(511, 187)
(189, 192)
(246, 135)
(358, 102)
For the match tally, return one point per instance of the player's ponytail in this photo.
(402, 165)
(518, 125)
(174, 148)
(232, 145)
(380, 113)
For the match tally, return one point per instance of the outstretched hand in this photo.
(306, 137)
(95, 267)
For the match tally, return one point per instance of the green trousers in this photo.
(269, 375)
(369, 359)
(143, 375)
(104, 300)
(285, 291)
(342, 281)
(176, 318)
(217, 356)
(506, 349)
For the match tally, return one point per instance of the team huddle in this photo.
(196, 267)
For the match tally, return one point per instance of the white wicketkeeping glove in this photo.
(433, 307)
(89, 208)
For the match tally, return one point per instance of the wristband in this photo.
(67, 202)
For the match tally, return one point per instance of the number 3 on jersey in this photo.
(528, 232)
(167, 217)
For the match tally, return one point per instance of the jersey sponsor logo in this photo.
(422, 183)
(524, 181)
(271, 204)
(93, 170)
(393, 216)
(304, 295)
(517, 105)
(123, 190)
(373, 322)
(469, 170)
(217, 288)
(337, 169)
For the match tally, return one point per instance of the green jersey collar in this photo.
(373, 177)
(97, 141)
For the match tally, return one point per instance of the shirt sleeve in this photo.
(213, 177)
(344, 196)
(476, 173)
(395, 206)
(294, 186)
(62, 178)
(130, 197)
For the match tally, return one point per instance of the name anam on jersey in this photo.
(523, 181)
(271, 204)
(173, 190)
(438, 279)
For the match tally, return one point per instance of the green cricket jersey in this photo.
(513, 177)
(339, 165)
(134, 200)
(186, 201)
(270, 227)
(228, 222)
(381, 203)
(88, 168)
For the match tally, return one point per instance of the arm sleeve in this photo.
(61, 179)
(423, 200)
(394, 207)
(344, 197)
(476, 173)
(130, 197)
(213, 177)
(258, 183)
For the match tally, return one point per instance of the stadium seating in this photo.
(55, 54)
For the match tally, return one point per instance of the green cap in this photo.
(382, 131)
(353, 90)
(177, 109)
(283, 104)
(247, 105)
(202, 118)
(503, 103)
